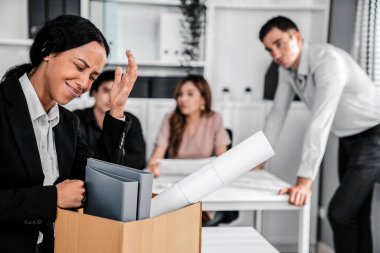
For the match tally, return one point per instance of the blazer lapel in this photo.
(22, 129)
(65, 138)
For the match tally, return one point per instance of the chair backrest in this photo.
(375, 217)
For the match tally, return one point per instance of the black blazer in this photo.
(134, 155)
(26, 206)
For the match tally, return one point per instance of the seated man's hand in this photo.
(300, 193)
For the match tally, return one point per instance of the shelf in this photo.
(143, 2)
(157, 64)
(16, 42)
(244, 4)
(277, 7)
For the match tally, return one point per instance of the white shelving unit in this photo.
(159, 68)
(234, 55)
(16, 42)
(135, 25)
(159, 64)
(145, 2)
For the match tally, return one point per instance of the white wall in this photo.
(14, 19)
(14, 25)
(239, 59)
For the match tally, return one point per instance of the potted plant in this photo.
(193, 26)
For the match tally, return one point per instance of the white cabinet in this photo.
(151, 29)
(281, 228)
(157, 108)
(138, 107)
(235, 57)
(244, 119)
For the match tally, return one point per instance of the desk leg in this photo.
(258, 221)
(304, 229)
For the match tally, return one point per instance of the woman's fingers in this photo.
(132, 66)
(130, 75)
(118, 74)
(122, 86)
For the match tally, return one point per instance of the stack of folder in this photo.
(117, 192)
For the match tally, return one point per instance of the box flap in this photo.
(79, 233)
(167, 233)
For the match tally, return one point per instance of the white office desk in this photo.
(253, 191)
(234, 239)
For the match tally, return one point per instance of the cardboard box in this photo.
(175, 232)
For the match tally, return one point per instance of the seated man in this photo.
(92, 121)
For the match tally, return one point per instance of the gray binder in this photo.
(144, 179)
(111, 196)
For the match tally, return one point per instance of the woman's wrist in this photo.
(117, 113)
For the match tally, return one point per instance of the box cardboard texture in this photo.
(174, 232)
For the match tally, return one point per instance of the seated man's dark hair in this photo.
(105, 76)
(280, 22)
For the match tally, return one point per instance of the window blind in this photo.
(367, 38)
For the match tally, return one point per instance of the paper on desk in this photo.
(261, 184)
(220, 171)
(182, 167)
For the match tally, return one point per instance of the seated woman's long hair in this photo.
(178, 120)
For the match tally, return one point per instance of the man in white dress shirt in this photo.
(342, 99)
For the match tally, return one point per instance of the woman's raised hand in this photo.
(122, 86)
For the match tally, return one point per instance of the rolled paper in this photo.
(240, 159)
(182, 167)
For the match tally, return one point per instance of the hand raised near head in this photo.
(122, 86)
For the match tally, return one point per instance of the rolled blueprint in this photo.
(217, 173)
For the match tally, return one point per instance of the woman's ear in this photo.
(47, 58)
(50, 56)
(203, 101)
(203, 104)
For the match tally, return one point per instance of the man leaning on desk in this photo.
(343, 99)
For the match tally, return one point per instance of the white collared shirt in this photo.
(43, 124)
(340, 95)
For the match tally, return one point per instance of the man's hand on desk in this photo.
(300, 193)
